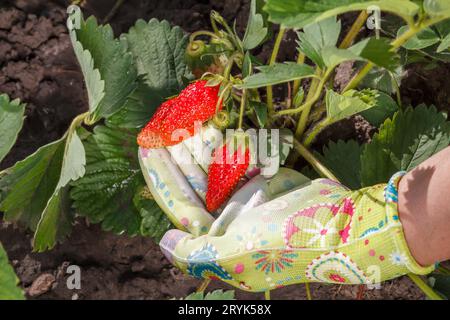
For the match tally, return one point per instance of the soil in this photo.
(37, 65)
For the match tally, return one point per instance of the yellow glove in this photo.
(318, 232)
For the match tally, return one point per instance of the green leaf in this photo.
(383, 80)
(159, 53)
(9, 289)
(344, 160)
(35, 189)
(437, 7)
(56, 221)
(105, 193)
(374, 50)
(257, 29)
(138, 108)
(214, 295)
(299, 13)
(426, 38)
(317, 36)
(445, 44)
(384, 108)
(108, 68)
(30, 183)
(340, 106)
(154, 221)
(377, 51)
(11, 121)
(404, 142)
(260, 109)
(276, 74)
(333, 56)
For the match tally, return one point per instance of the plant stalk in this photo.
(113, 11)
(300, 60)
(313, 161)
(426, 289)
(396, 44)
(308, 291)
(273, 59)
(315, 132)
(354, 30)
(203, 285)
(242, 108)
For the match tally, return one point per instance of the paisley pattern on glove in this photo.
(335, 267)
(202, 264)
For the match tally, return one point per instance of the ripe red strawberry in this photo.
(227, 168)
(195, 103)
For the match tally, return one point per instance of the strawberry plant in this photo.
(156, 71)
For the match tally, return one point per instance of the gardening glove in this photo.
(177, 179)
(319, 232)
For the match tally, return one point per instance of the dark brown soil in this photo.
(37, 65)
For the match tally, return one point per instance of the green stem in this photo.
(443, 270)
(113, 11)
(273, 59)
(308, 291)
(203, 285)
(313, 161)
(267, 295)
(359, 77)
(242, 108)
(230, 64)
(300, 60)
(354, 30)
(396, 44)
(315, 132)
(426, 289)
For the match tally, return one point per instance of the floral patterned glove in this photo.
(318, 232)
(177, 179)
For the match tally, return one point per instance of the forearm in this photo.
(424, 209)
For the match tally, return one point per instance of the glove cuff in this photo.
(392, 212)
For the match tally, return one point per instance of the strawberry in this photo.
(197, 102)
(227, 168)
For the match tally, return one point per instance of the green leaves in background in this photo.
(9, 289)
(377, 51)
(154, 221)
(437, 7)
(276, 74)
(410, 138)
(257, 26)
(35, 189)
(344, 160)
(423, 39)
(299, 13)
(383, 80)
(108, 68)
(384, 108)
(106, 194)
(159, 50)
(317, 36)
(260, 110)
(374, 50)
(343, 106)
(138, 108)
(214, 295)
(11, 121)
(402, 143)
